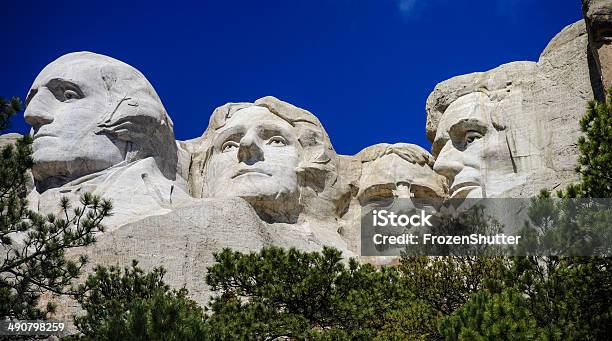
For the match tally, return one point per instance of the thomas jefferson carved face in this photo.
(255, 155)
(273, 154)
(460, 146)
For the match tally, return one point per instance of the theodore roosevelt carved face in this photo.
(398, 170)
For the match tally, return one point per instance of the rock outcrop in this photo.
(598, 17)
(10, 138)
(512, 131)
(184, 241)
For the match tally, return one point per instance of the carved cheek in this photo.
(473, 155)
(218, 167)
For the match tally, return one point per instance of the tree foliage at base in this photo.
(486, 316)
(133, 305)
(7, 110)
(288, 293)
(280, 294)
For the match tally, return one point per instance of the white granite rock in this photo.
(10, 138)
(381, 173)
(183, 242)
(512, 131)
(266, 173)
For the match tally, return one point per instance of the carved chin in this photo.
(253, 185)
(280, 207)
(54, 170)
(273, 201)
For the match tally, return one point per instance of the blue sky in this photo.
(364, 67)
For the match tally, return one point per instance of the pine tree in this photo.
(7, 110)
(504, 316)
(596, 150)
(277, 293)
(133, 305)
(33, 245)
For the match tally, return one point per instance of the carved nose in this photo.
(449, 162)
(37, 119)
(249, 151)
(37, 111)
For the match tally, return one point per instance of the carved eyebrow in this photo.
(234, 134)
(57, 86)
(458, 130)
(267, 133)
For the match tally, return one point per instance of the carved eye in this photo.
(277, 141)
(472, 136)
(64, 90)
(228, 146)
(71, 94)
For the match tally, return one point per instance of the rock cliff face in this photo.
(598, 17)
(265, 173)
(523, 118)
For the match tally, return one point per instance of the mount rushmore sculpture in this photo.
(266, 173)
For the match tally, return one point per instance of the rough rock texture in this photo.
(512, 131)
(400, 170)
(598, 17)
(380, 173)
(184, 240)
(137, 190)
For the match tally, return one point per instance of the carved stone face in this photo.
(464, 136)
(64, 107)
(254, 156)
(89, 112)
(391, 176)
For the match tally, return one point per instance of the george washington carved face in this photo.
(89, 112)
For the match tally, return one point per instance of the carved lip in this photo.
(244, 171)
